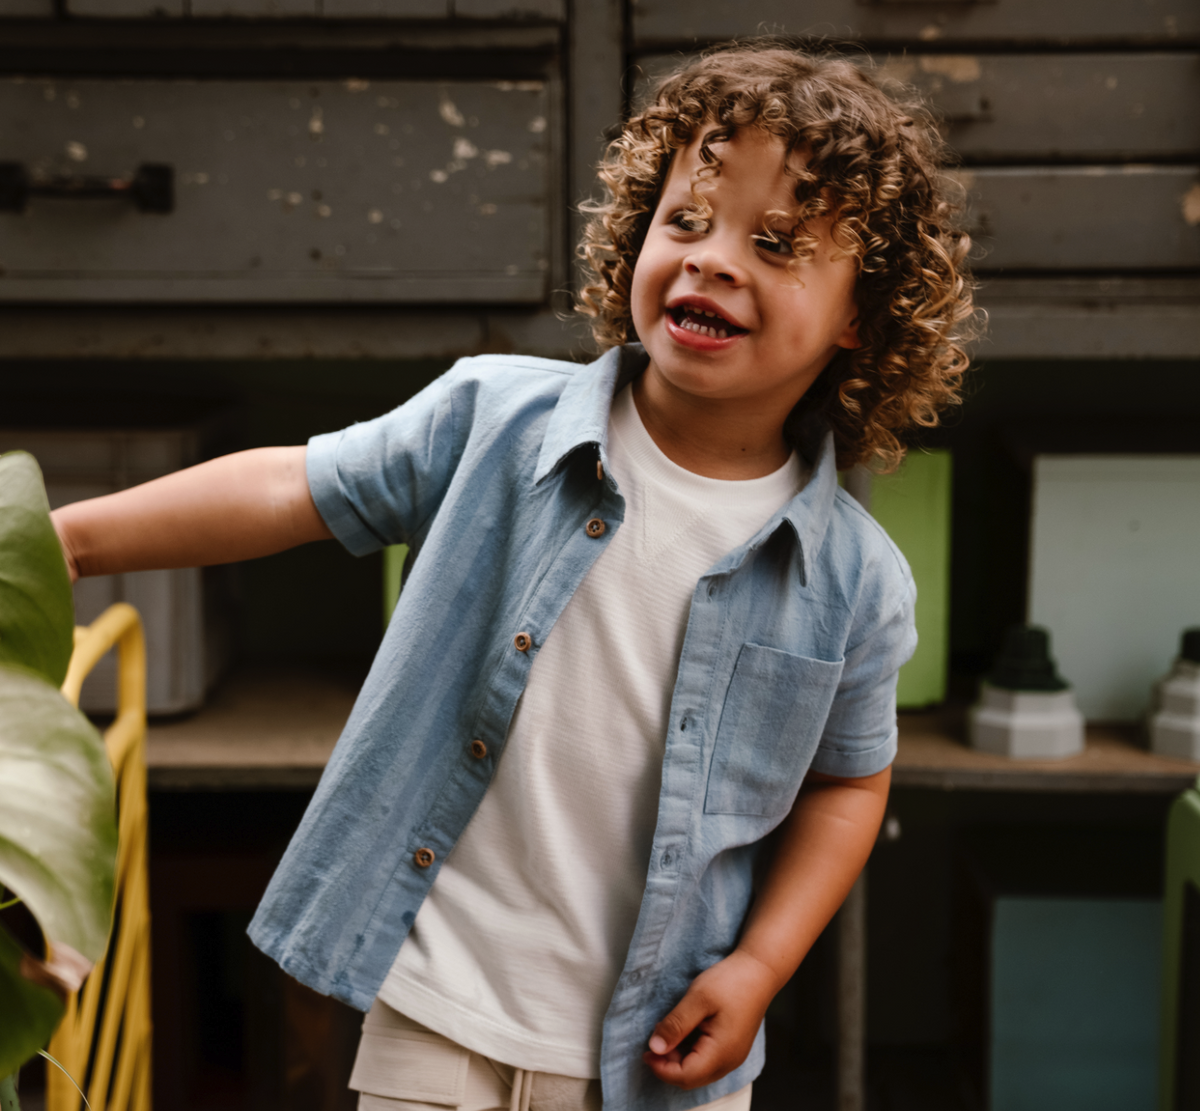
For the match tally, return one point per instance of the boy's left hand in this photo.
(711, 1029)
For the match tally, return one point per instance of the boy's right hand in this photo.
(240, 506)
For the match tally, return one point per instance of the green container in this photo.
(913, 505)
(1179, 1074)
(393, 578)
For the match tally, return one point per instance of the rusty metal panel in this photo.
(126, 9)
(679, 22)
(253, 9)
(349, 191)
(511, 9)
(386, 9)
(1081, 218)
(1040, 107)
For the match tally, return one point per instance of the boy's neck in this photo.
(717, 439)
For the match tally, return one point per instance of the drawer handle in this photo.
(152, 188)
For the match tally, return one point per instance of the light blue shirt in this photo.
(789, 662)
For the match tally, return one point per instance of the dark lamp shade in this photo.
(1024, 663)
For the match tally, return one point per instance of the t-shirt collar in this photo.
(580, 419)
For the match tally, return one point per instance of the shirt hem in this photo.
(466, 1026)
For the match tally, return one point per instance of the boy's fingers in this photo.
(701, 1065)
(689, 1012)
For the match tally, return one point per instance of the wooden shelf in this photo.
(274, 729)
(934, 753)
(261, 728)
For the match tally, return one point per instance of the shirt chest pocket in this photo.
(771, 724)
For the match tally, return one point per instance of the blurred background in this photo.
(234, 223)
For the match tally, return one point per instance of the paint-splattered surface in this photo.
(325, 190)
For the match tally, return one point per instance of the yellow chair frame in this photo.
(104, 1039)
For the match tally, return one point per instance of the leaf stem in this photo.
(59, 1066)
(8, 1094)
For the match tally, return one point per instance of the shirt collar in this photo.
(581, 416)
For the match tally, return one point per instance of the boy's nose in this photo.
(715, 265)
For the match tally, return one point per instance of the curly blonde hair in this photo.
(872, 163)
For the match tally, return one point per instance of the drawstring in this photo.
(522, 1090)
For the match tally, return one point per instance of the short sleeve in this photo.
(381, 482)
(860, 733)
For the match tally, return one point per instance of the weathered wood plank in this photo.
(555, 10)
(126, 9)
(1040, 107)
(680, 22)
(252, 9)
(1107, 218)
(27, 9)
(345, 191)
(595, 66)
(1097, 318)
(386, 9)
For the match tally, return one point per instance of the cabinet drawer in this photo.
(1079, 218)
(1035, 107)
(348, 191)
(1050, 106)
(678, 22)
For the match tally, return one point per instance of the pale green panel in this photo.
(393, 574)
(913, 505)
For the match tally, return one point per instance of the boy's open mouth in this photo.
(704, 323)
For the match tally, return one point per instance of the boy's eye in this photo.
(690, 222)
(773, 244)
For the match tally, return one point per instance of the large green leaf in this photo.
(58, 835)
(36, 608)
(29, 1013)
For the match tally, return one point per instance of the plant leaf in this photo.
(30, 1013)
(58, 835)
(37, 615)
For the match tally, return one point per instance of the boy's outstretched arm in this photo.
(248, 504)
(821, 848)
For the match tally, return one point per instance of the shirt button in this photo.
(423, 858)
(595, 528)
(599, 470)
(522, 642)
(478, 749)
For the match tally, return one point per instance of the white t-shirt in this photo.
(517, 947)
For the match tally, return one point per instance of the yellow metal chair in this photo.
(104, 1038)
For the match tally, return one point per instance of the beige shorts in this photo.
(403, 1066)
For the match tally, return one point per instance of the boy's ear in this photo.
(849, 338)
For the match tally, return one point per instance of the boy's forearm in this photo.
(240, 506)
(821, 848)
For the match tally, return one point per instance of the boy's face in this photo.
(775, 329)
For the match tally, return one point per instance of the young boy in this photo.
(644, 628)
